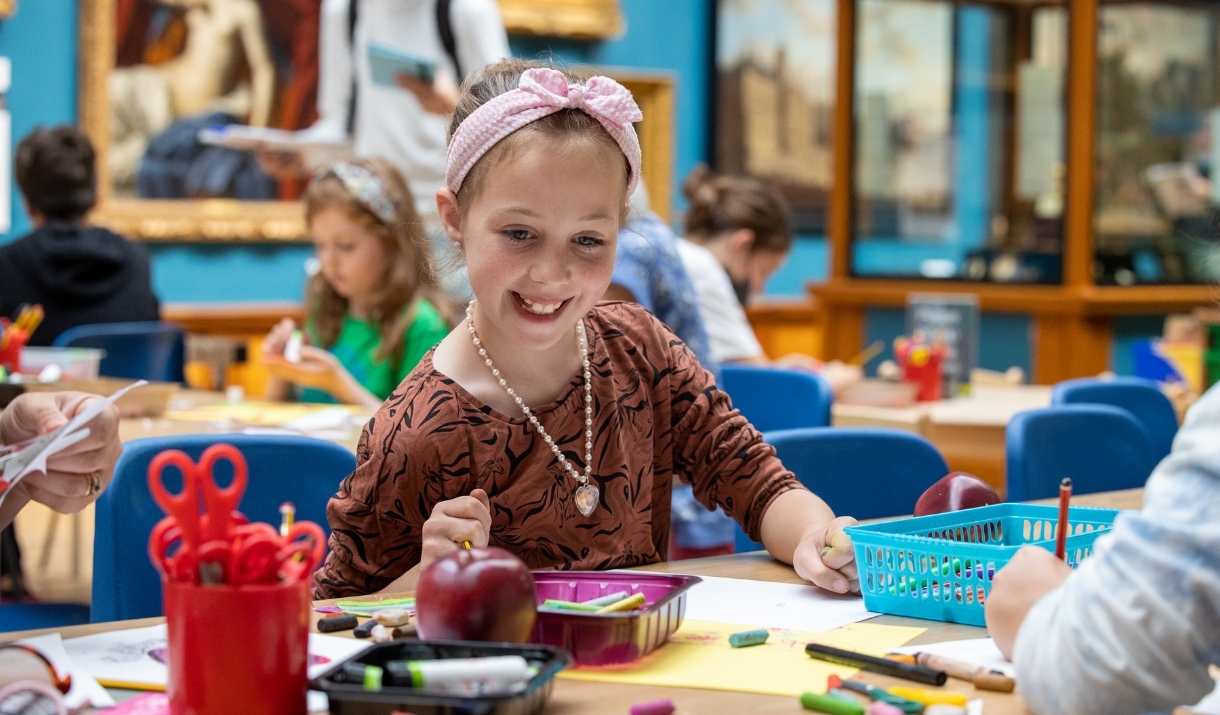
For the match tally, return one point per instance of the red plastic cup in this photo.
(237, 649)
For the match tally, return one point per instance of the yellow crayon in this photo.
(930, 697)
(627, 604)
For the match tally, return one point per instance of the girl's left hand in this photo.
(825, 556)
(317, 368)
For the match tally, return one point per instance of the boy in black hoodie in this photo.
(81, 274)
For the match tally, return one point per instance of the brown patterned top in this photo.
(656, 412)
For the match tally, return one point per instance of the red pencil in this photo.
(1065, 497)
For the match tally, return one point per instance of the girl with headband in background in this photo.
(372, 305)
(549, 424)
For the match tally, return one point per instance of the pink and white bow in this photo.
(541, 92)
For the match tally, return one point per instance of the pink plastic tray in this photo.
(610, 638)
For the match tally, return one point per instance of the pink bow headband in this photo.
(541, 92)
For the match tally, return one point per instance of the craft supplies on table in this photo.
(698, 655)
(420, 662)
(609, 637)
(941, 566)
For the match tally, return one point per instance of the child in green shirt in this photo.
(369, 310)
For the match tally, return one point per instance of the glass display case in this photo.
(958, 162)
(1158, 139)
(1052, 158)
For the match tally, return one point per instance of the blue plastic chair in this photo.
(774, 399)
(865, 472)
(137, 351)
(28, 616)
(1142, 398)
(302, 470)
(1101, 448)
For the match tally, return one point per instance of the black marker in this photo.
(881, 666)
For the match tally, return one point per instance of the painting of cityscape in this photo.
(775, 63)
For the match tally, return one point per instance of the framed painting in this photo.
(775, 65)
(155, 72)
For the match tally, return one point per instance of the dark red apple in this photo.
(954, 492)
(476, 595)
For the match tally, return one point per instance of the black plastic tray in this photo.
(352, 699)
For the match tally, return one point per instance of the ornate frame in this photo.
(583, 19)
(225, 220)
(186, 220)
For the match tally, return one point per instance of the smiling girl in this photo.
(370, 319)
(549, 424)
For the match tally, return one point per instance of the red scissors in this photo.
(204, 536)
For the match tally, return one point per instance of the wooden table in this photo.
(586, 698)
(968, 431)
(134, 428)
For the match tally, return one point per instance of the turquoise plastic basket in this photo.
(940, 567)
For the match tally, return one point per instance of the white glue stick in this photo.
(292, 349)
(463, 676)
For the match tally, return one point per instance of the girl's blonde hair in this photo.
(409, 275)
(720, 204)
(569, 125)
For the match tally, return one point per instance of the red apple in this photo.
(484, 594)
(954, 492)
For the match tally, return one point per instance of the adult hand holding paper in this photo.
(67, 464)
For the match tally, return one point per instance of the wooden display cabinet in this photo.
(1072, 321)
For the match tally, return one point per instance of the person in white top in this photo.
(737, 236)
(1136, 626)
(407, 124)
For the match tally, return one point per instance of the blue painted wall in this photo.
(41, 42)
(672, 35)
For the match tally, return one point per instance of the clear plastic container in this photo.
(352, 699)
(596, 639)
(76, 363)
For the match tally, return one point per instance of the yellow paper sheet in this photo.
(257, 414)
(698, 655)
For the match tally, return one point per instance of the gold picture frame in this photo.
(234, 221)
(220, 220)
(581, 19)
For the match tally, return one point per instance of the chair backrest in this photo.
(775, 398)
(1101, 448)
(1142, 398)
(137, 351)
(865, 472)
(302, 470)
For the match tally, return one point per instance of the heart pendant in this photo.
(587, 498)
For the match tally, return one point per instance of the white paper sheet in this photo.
(772, 605)
(976, 651)
(85, 690)
(33, 458)
(126, 658)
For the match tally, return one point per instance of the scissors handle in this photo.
(183, 506)
(294, 568)
(221, 502)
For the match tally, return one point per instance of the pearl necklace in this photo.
(587, 495)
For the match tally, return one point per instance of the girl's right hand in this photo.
(277, 339)
(453, 522)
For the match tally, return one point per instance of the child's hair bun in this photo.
(719, 204)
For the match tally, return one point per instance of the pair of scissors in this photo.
(205, 537)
